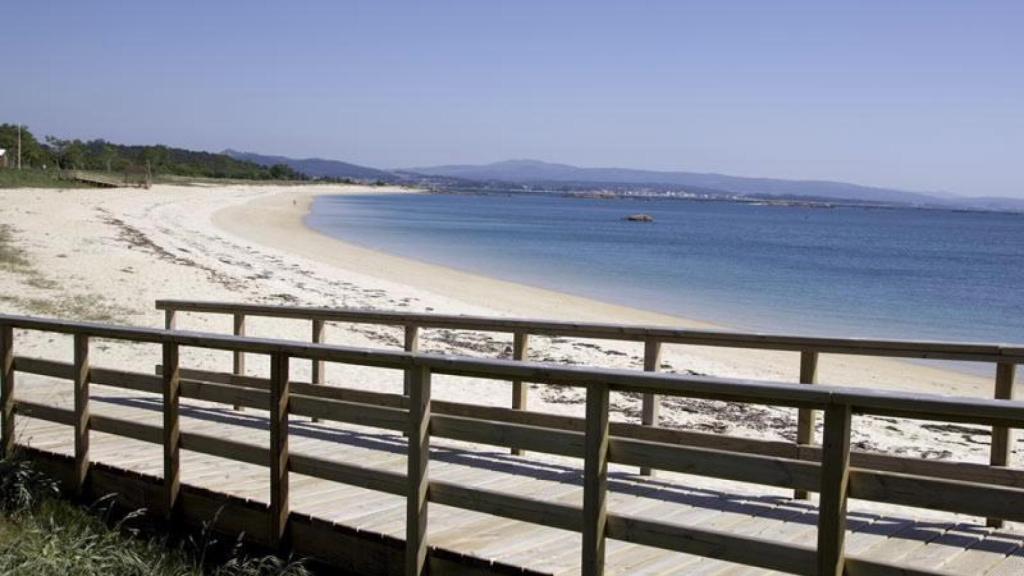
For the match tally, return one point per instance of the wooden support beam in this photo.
(595, 480)
(835, 474)
(6, 391)
(170, 319)
(317, 368)
(279, 397)
(520, 389)
(171, 430)
(238, 357)
(651, 402)
(1002, 437)
(82, 418)
(417, 477)
(806, 417)
(412, 344)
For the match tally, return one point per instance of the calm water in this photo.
(843, 271)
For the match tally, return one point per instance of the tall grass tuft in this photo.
(43, 535)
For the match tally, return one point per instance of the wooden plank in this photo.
(1012, 565)
(520, 389)
(983, 555)
(835, 471)
(6, 391)
(595, 480)
(711, 543)
(44, 412)
(226, 448)
(650, 403)
(764, 470)
(417, 476)
(279, 397)
(948, 495)
(535, 511)
(350, 412)
(501, 434)
(1002, 437)
(350, 474)
(806, 417)
(171, 431)
(127, 428)
(81, 427)
(170, 319)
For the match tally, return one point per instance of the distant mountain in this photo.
(992, 203)
(317, 167)
(534, 171)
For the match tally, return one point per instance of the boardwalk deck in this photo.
(955, 546)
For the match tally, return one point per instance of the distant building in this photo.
(3, 158)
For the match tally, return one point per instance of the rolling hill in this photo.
(534, 171)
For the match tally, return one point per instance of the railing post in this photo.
(595, 480)
(651, 403)
(172, 431)
(1002, 437)
(6, 391)
(835, 473)
(806, 417)
(170, 319)
(520, 389)
(279, 395)
(412, 344)
(418, 479)
(81, 384)
(317, 366)
(238, 357)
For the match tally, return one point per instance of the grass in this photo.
(43, 535)
(12, 257)
(93, 307)
(34, 178)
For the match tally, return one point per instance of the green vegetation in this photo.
(35, 178)
(12, 256)
(57, 303)
(45, 158)
(42, 535)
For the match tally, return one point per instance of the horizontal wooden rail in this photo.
(637, 333)
(866, 401)
(832, 470)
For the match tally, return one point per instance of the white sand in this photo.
(111, 253)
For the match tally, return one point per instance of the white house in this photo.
(3, 158)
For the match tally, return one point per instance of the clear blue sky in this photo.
(923, 95)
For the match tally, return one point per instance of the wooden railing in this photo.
(833, 470)
(1004, 357)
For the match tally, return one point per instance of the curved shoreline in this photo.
(280, 218)
(277, 220)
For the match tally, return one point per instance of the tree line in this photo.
(100, 155)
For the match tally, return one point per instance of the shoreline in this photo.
(283, 216)
(278, 220)
(116, 253)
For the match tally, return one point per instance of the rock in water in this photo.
(640, 218)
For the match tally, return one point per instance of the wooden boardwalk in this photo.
(962, 547)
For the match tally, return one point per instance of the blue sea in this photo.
(843, 271)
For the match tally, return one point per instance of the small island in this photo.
(640, 218)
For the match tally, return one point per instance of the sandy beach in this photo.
(109, 254)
